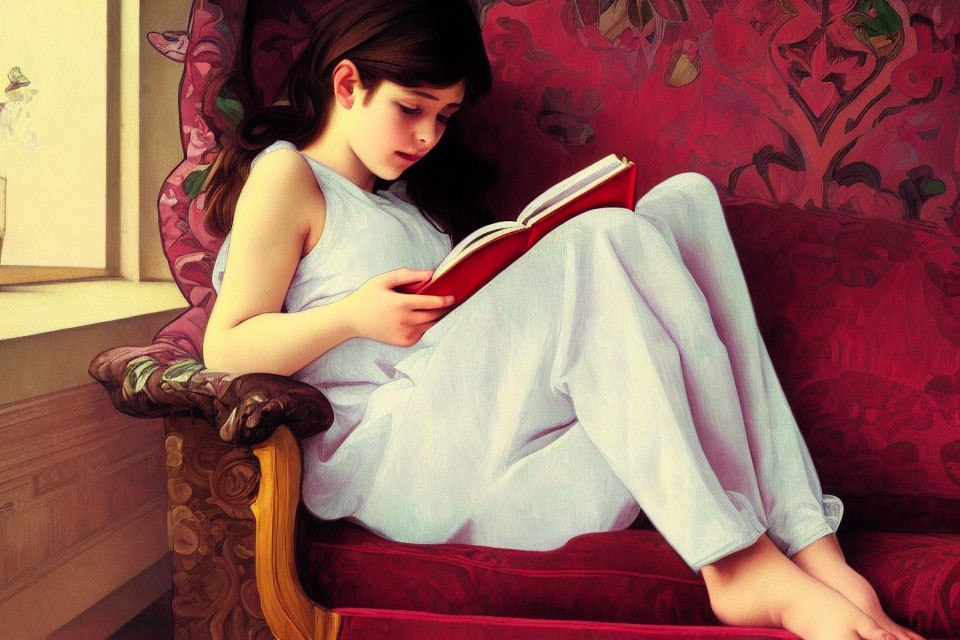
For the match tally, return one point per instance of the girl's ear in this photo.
(346, 83)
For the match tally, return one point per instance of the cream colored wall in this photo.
(56, 204)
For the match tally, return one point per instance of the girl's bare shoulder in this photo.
(284, 174)
(282, 189)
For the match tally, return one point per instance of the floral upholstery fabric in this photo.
(162, 380)
(830, 129)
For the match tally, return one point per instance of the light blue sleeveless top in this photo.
(364, 234)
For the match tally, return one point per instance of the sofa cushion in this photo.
(622, 576)
(374, 624)
(862, 321)
(917, 576)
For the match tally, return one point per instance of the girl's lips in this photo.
(408, 157)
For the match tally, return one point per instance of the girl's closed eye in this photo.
(415, 111)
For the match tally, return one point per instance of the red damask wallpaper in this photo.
(836, 104)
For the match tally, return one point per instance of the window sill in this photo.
(15, 274)
(49, 333)
(29, 310)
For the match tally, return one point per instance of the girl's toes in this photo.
(870, 630)
(911, 635)
(876, 612)
(899, 632)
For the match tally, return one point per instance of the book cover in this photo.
(463, 272)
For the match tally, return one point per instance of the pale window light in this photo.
(53, 132)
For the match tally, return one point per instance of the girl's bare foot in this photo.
(761, 586)
(823, 559)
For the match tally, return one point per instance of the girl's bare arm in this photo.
(278, 206)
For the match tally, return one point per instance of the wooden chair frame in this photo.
(286, 607)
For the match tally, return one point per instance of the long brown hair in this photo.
(409, 42)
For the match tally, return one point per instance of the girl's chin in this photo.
(389, 175)
(392, 172)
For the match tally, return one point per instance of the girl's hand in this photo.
(379, 312)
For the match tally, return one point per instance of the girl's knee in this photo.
(688, 203)
(692, 185)
(691, 182)
(697, 181)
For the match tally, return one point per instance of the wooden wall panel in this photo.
(82, 505)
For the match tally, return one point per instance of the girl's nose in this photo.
(427, 135)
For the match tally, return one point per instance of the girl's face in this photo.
(396, 125)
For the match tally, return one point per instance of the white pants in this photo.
(615, 366)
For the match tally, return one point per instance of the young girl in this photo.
(615, 366)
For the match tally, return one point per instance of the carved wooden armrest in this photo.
(161, 380)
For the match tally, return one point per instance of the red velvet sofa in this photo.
(829, 129)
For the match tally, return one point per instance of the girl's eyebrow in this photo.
(432, 97)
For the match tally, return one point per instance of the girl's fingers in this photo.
(436, 302)
(429, 302)
(430, 315)
(405, 276)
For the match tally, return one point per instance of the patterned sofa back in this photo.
(842, 105)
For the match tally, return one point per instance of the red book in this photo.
(483, 254)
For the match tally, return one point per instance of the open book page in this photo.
(475, 240)
(569, 188)
(548, 201)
